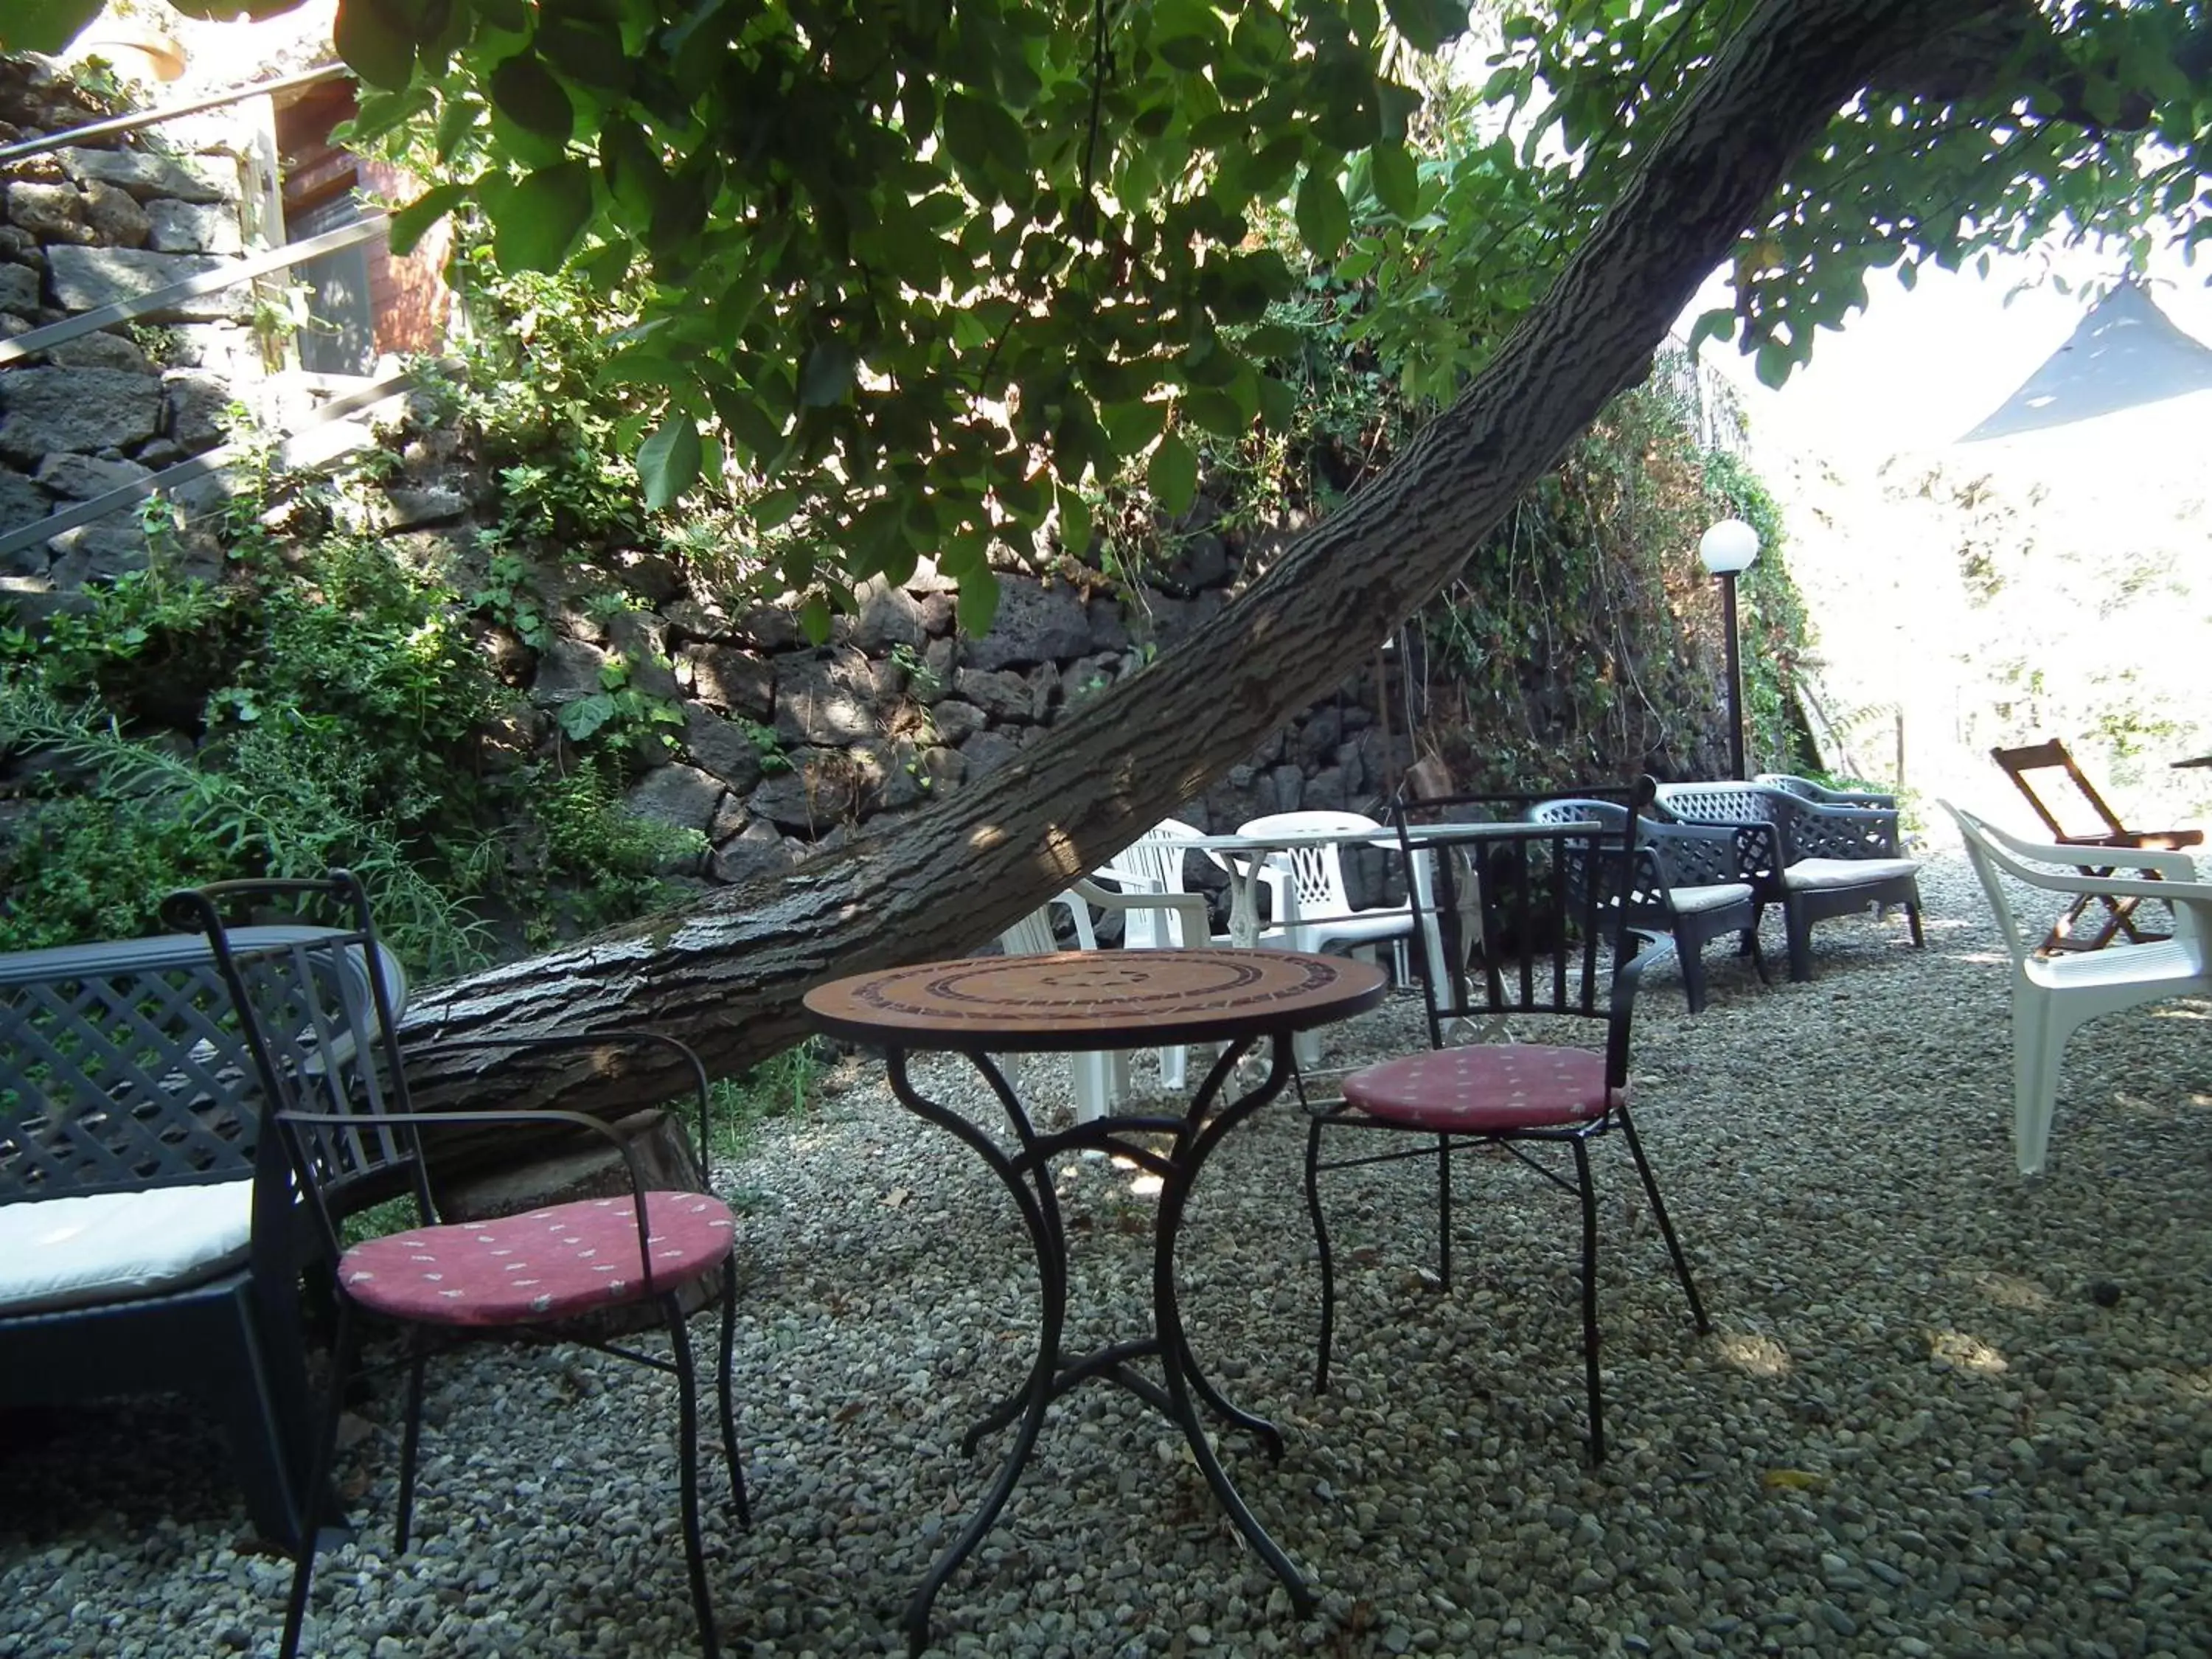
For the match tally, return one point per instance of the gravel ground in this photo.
(1943, 1410)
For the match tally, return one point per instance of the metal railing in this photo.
(137, 120)
(369, 393)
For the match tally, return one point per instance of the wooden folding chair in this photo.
(2088, 823)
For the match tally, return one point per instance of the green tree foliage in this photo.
(917, 272)
(921, 271)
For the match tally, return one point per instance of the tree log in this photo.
(726, 972)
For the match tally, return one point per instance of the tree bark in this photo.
(726, 974)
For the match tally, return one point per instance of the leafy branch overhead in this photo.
(922, 269)
(927, 269)
(920, 273)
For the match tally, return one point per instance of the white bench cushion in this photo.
(1689, 901)
(111, 1246)
(1807, 874)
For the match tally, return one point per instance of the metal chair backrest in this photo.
(124, 1068)
(323, 1035)
(1553, 933)
(2087, 818)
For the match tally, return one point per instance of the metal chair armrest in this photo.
(436, 1044)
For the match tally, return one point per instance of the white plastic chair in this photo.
(1100, 1078)
(1153, 864)
(2052, 995)
(1306, 896)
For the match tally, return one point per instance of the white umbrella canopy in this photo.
(2126, 353)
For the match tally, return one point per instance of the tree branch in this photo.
(727, 973)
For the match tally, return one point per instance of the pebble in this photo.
(1804, 1481)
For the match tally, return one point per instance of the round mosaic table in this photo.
(1090, 1000)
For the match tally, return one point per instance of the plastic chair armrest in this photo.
(1189, 908)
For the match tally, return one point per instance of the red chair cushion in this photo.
(1489, 1088)
(542, 1264)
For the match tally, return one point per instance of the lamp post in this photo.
(1727, 550)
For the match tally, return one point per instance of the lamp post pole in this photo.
(1727, 550)
(1734, 675)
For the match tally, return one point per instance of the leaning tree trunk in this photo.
(726, 972)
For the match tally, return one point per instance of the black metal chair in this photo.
(326, 1050)
(150, 1241)
(1686, 882)
(1555, 944)
(1815, 861)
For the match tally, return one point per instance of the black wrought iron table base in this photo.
(1025, 1170)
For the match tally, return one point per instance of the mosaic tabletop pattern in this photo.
(1096, 999)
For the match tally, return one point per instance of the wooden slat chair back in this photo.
(2077, 815)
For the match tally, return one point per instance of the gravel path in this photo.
(1943, 1412)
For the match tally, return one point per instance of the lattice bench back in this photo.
(122, 1068)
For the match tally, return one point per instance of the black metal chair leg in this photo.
(251, 1380)
(412, 1445)
(1912, 921)
(687, 1459)
(1589, 1300)
(729, 1413)
(345, 1349)
(1444, 1213)
(1320, 1244)
(1666, 1222)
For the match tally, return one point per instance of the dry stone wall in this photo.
(81, 227)
(787, 747)
(784, 746)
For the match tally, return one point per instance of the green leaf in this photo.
(827, 374)
(1773, 364)
(814, 619)
(1718, 323)
(1323, 220)
(524, 90)
(668, 461)
(543, 216)
(1131, 426)
(1397, 180)
(1172, 475)
(374, 42)
(586, 716)
(588, 53)
(1074, 524)
(46, 26)
(1216, 411)
(977, 605)
(634, 176)
(1428, 24)
(408, 223)
(1356, 265)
